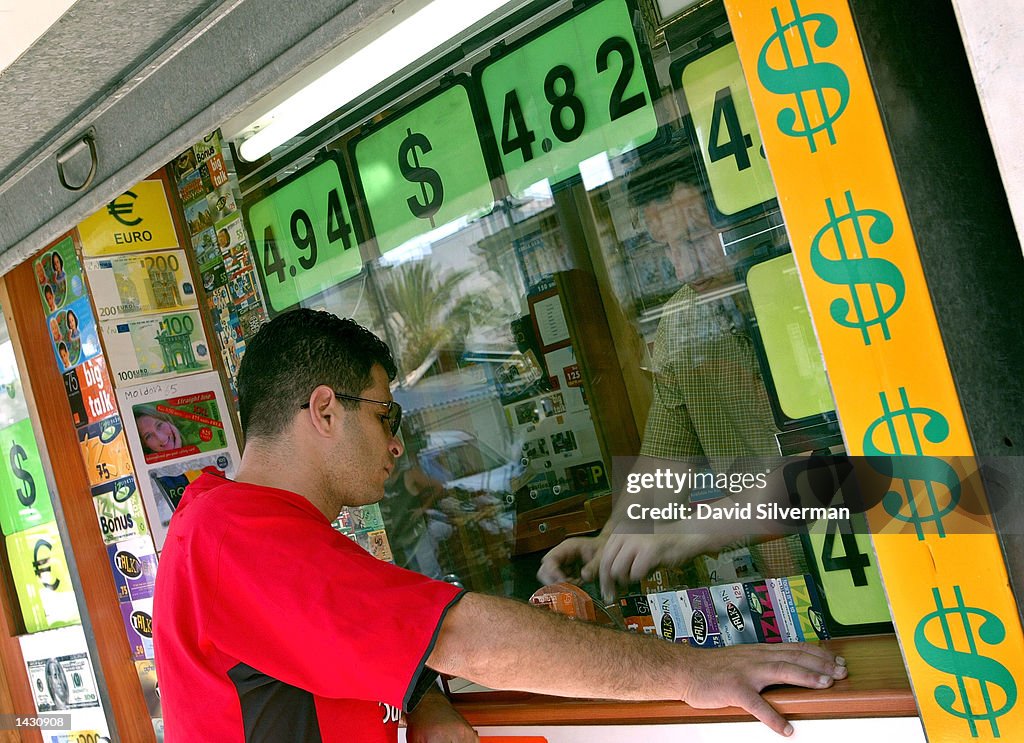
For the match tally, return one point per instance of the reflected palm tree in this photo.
(427, 314)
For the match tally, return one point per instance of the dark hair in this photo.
(294, 353)
(57, 256)
(662, 164)
(46, 289)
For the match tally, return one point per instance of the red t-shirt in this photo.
(269, 625)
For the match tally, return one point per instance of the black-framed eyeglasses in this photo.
(393, 416)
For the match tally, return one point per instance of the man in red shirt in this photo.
(271, 626)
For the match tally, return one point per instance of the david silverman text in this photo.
(760, 512)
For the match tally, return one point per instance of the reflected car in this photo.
(462, 462)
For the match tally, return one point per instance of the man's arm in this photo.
(507, 645)
(434, 720)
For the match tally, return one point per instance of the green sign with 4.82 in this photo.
(304, 240)
(575, 91)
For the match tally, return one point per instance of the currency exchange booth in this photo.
(588, 231)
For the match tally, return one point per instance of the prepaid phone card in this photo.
(153, 347)
(90, 392)
(734, 617)
(140, 283)
(119, 510)
(785, 609)
(138, 623)
(133, 564)
(73, 335)
(105, 450)
(147, 678)
(700, 617)
(667, 615)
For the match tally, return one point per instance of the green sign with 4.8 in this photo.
(575, 91)
(304, 241)
(724, 123)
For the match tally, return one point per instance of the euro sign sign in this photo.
(876, 286)
(116, 210)
(985, 689)
(821, 89)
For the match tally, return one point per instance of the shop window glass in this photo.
(594, 302)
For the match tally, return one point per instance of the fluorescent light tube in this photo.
(375, 62)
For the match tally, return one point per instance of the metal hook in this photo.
(88, 140)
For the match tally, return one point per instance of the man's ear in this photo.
(322, 411)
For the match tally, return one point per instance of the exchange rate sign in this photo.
(423, 168)
(726, 130)
(304, 241)
(574, 91)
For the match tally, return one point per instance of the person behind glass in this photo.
(710, 405)
(271, 625)
(415, 527)
(157, 431)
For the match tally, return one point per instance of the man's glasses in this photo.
(393, 416)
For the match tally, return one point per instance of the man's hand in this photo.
(734, 677)
(574, 560)
(435, 721)
(628, 558)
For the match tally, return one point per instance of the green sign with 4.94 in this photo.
(575, 91)
(304, 240)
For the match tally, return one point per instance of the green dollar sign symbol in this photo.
(412, 171)
(964, 665)
(812, 77)
(912, 466)
(18, 456)
(855, 272)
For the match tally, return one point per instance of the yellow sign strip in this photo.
(895, 395)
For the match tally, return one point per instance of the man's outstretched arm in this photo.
(504, 644)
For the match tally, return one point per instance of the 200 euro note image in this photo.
(141, 283)
(153, 347)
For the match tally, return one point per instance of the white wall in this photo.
(993, 32)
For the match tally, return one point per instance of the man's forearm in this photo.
(508, 645)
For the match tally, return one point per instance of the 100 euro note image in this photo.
(138, 284)
(154, 347)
